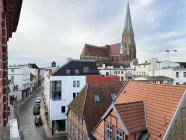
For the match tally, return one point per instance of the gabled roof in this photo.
(84, 104)
(133, 116)
(114, 49)
(90, 50)
(160, 101)
(77, 65)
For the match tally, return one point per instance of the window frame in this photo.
(96, 99)
(184, 74)
(63, 109)
(67, 71)
(56, 90)
(12, 70)
(74, 83)
(86, 69)
(77, 72)
(108, 131)
(113, 94)
(78, 83)
(177, 74)
(118, 135)
(74, 95)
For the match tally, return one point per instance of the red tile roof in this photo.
(85, 105)
(90, 50)
(161, 102)
(114, 49)
(133, 116)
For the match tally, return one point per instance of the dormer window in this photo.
(77, 72)
(113, 96)
(67, 71)
(96, 98)
(86, 69)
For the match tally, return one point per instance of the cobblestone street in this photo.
(26, 118)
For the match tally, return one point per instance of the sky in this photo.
(53, 30)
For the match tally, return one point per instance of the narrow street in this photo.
(26, 117)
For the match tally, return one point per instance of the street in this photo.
(26, 117)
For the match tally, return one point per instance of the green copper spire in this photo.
(128, 22)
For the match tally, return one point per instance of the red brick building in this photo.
(122, 52)
(9, 18)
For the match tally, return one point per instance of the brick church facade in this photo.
(123, 52)
(9, 18)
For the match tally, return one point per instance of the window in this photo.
(177, 83)
(74, 83)
(107, 73)
(67, 71)
(144, 66)
(12, 70)
(113, 96)
(74, 95)
(114, 72)
(63, 109)
(86, 69)
(80, 136)
(121, 78)
(119, 135)
(78, 83)
(72, 128)
(118, 72)
(177, 74)
(77, 134)
(96, 98)
(121, 72)
(69, 125)
(56, 90)
(108, 132)
(76, 71)
(184, 74)
(12, 77)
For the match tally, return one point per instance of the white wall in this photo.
(181, 79)
(66, 95)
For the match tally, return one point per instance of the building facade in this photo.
(123, 52)
(94, 97)
(20, 75)
(65, 83)
(9, 18)
(139, 107)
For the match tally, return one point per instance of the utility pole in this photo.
(168, 53)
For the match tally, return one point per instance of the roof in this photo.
(90, 50)
(133, 116)
(160, 101)
(77, 65)
(182, 64)
(128, 21)
(114, 49)
(84, 103)
(158, 78)
(33, 65)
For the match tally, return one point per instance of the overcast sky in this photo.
(52, 30)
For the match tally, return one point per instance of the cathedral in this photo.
(120, 53)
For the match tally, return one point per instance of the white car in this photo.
(38, 100)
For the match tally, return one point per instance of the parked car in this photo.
(37, 105)
(38, 101)
(36, 110)
(38, 121)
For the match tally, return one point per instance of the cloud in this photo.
(54, 30)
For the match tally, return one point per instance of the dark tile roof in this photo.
(33, 65)
(85, 101)
(133, 116)
(182, 64)
(77, 104)
(160, 101)
(159, 78)
(77, 65)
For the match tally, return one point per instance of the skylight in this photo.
(113, 96)
(96, 98)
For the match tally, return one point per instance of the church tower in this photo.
(127, 46)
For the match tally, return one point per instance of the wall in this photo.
(161, 72)
(78, 123)
(102, 78)
(181, 79)
(67, 95)
(142, 69)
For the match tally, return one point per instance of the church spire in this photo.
(128, 21)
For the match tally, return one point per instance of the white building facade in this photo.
(20, 75)
(65, 84)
